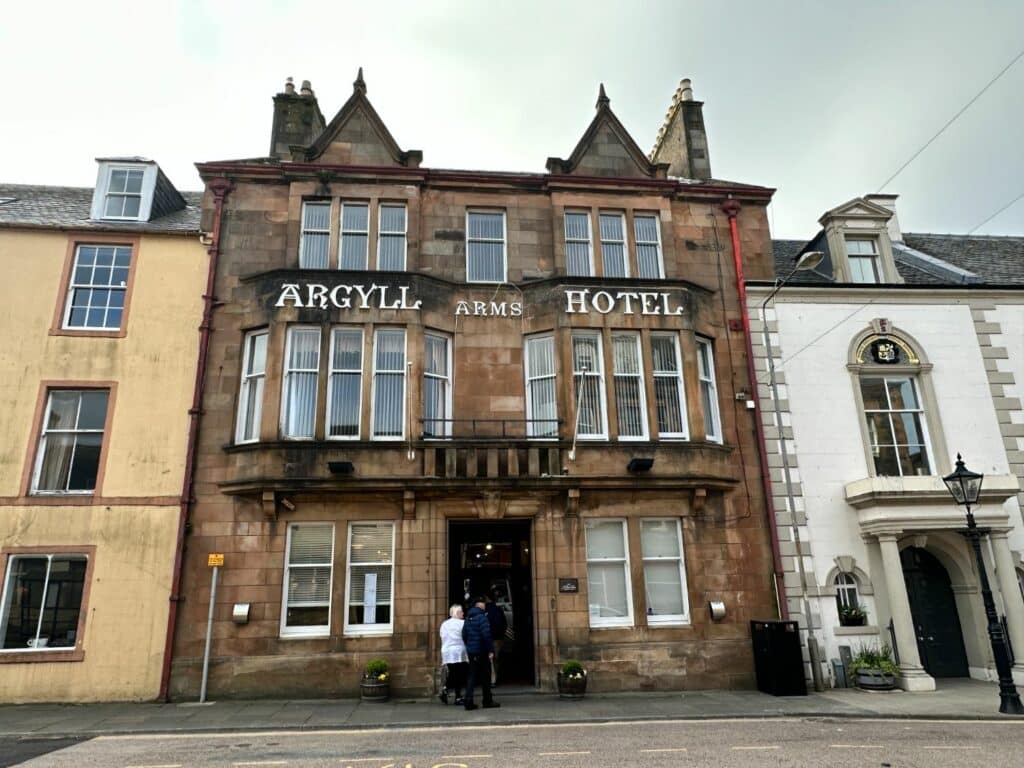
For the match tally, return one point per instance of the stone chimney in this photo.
(297, 119)
(889, 203)
(682, 140)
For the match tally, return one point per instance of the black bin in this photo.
(778, 662)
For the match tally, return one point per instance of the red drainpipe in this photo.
(732, 208)
(220, 188)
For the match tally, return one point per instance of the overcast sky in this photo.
(822, 100)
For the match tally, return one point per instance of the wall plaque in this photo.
(568, 586)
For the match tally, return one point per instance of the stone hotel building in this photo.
(424, 383)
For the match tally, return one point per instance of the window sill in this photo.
(600, 627)
(95, 333)
(356, 633)
(41, 657)
(670, 624)
(867, 629)
(322, 635)
(923, 489)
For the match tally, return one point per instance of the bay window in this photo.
(437, 386)
(588, 383)
(608, 586)
(627, 376)
(308, 579)
(369, 596)
(302, 369)
(250, 395)
(709, 390)
(345, 384)
(669, 395)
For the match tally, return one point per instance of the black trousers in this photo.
(479, 673)
(456, 677)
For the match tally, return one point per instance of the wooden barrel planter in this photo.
(572, 687)
(372, 689)
(875, 680)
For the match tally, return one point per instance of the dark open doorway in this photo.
(936, 621)
(493, 558)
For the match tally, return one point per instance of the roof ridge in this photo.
(956, 234)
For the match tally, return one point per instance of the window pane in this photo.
(659, 538)
(880, 429)
(647, 261)
(392, 253)
(309, 585)
(353, 251)
(914, 460)
(133, 182)
(614, 259)
(489, 226)
(863, 270)
(902, 395)
(388, 396)
(316, 235)
(308, 617)
(663, 350)
(93, 412)
(664, 588)
(611, 227)
(628, 386)
(63, 410)
(24, 599)
(862, 246)
(305, 349)
(118, 180)
(626, 354)
(311, 544)
(486, 262)
(357, 583)
(392, 218)
(63, 602)
(605, 540)
(577, 257)
(541, 356)
(131, 206)
(666, 395)
(316, 216)
(908, 428)
(577, 226)
(586, 355)
(390, 351)
(86, 463)
(355, 218)
(873, 393)
(300, 405)
(345, 404)
(646, 229)
(57, 453)
(544, 410)
(371, 543)
(436, 358)
(257, 353)
(886, 464)
(606, 583)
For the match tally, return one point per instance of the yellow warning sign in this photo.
(215, 559)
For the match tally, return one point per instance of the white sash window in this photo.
(661, 542)
(588, 381)
(579, 253)
(250, 395)
(437, 386)
(629, 386)
(541, 404)
(71, 442)
(370, 594)
(649, 261)
(389, 384)
(669, 395)
(308, 579)
(355, 236)
(709, 390)
(302, 369)
(391, 237)
(485, 247)
(316, 235)
(609, 594)
(345, 386)
(614, 254)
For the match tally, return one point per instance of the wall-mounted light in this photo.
(240, 613)
(717, 609)
(639, 465)
(341, 467)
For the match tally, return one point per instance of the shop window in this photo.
(896, 429)
(541, 403)
(649, 261)
(345, 385)
(389, 384)
(661, 542)
(42, 602)
(308, 579)
(124, 194)
(98, 286)
(369, 597)
(437, 386)
(588, 386)
(485, 247)
(316, 235)
(250, 396)
(579, 251)
(71, 441)
(709, 390)
(614, 253)
(302, 370)
(627, 376)
(669, 395)
(391, 237)
(608, 587)
(355, 236)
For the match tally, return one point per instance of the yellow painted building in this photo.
(98, 347)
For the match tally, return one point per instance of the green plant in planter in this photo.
(573, 670)
(572, 680)
(874, 657)
(852, 616)
(376, 669)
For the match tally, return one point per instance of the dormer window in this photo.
(124, 194)
(862, 253)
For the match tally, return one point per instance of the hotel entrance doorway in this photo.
(493, 558)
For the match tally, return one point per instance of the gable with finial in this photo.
(358, 136)
(607, 149)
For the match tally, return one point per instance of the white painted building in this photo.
(893, 356)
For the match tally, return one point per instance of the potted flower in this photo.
(572, 680)
(852, 616)
(874, 668)
(376, 682)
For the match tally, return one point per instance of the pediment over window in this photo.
(358, 136)
(859, 208)
(607, 149)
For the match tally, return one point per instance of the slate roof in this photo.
(925, 259)
(35, 205)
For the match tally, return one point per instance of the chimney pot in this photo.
(289, 86)
(685, 90)
(307, 89)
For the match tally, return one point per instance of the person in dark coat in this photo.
(476, 631)
(496, 618)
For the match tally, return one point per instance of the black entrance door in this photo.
(493, 558)
(936, 622)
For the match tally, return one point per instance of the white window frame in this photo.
(680, 388)
(625, 243)
(304, 632)
(589, 240)
(288, 371)
(447, 378)
(382, 234)
(331, 371)
(656, 243)
(611, 622)
(74, 286)
(108, 193)
(668, 619)
(845, 583)
(405, 385)
(250, 379)
(602, 393)
(342, 232)
(531, 428)
(79, 626)
(707, 380)
(304, 229)
(45, 432)
(641, 386)
(365, 630)
(915, 383)
(873, 258)
(503, 241)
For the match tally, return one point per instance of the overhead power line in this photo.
(953, 119)
(986, 221)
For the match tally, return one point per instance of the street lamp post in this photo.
(965, 486)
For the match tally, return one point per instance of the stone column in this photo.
(1013, 603)
(912, 674)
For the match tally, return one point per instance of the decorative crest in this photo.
(602, 98)
(359, 84)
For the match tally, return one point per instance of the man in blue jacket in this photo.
(476, 632)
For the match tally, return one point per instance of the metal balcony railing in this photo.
(490, 429)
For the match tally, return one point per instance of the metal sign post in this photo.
(214, 561)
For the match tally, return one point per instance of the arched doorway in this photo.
(936, 621)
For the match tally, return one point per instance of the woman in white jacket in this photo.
(453, 654)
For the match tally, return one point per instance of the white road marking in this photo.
(951, 747)
(552, 754)
(168, 765)
(262, 762)
(367, 759)
(767, 746)
(462, 757)
(665, 749)
(856, 746)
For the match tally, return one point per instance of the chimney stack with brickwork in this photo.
(682, 140)
(297, 119)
